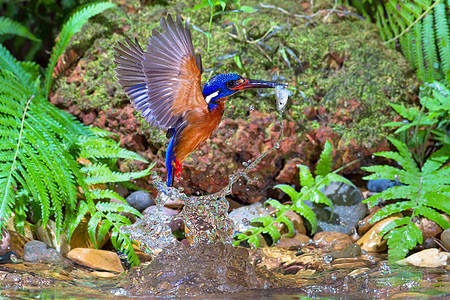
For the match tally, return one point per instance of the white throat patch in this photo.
(210, 97)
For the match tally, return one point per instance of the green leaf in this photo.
(308, 214)
(286, 221)
(69, 29)
(436, 160)
(306, 178)
(266, 220)
(326, 160)
(275, 204)
(288, 190)
(433, 215)
(8, 26)
(319, 197)
(272, 230)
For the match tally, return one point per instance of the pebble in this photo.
(174, 223)
(332, 240)
(295, 242)
(96, 259)
(37, 251)
(431, 258)
(140, 200)
(364, 225)
(352, 251)
(380, 185)
(371, 241)
(429, 229)
(445, 239)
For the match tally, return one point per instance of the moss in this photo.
(347, 74)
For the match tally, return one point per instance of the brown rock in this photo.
(96, 259)
(5, 241)
(80, 237)
(428, 228)
(364, 225)
(297, 241)
(18, 242)
(431, 258)
(371, 241)
(332, 240)
(47, 235)
(445, 239)
(299, 226)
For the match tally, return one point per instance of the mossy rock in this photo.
(348, 75)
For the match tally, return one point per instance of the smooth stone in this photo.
(332, 240)
(431, 258)
(47, 235)
(364, 225)
(140, 200)
(299, 225)
(348, 208)
(295, 242)
(429, 228)
(445, 239)
(37, 251)
(96, 259)
(5, 241)
(174, 223)
(80, 237)
(243, 215)
(380, 185)
(371, 241)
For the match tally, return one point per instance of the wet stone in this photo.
(140, 200)
(295, 242)
(96, 259)
(37, 251)
(5, 241)
(347, 205)
(205, 268)
(352, 251)
(431, 258)
(429, 229)
(330, 240)
(371, 241)
(47, 235)
(445, 238)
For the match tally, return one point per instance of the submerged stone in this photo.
(199, 269)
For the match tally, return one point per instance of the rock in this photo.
(243, 215)
(80, 237)
(348, 208)
(431, 258)
(365, 224)
(140, 200)
(37, 251)
(47, 235)
(445, 239)
(18, 242)
(174, 223)
(299, 226)
(371, 241)
(297, 241)
(174, 203)
(332, 240)
(5, 241)
(380, 185)
(96, 259)
(428, 228)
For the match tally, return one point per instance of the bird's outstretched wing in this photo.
(164, 82)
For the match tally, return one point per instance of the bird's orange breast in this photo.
(201, 124)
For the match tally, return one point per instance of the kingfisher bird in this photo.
(164, 85)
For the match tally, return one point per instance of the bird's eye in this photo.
(234, 83)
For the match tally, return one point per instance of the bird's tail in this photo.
(170, 156)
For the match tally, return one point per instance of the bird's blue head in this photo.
(224, 85)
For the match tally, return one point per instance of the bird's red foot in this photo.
(178, 169)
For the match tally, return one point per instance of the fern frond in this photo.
(326, 160)
(417, 50)
(8, 62)
(8, 26)
(103, 151)
(429, 49)
(69, 29)
(442, 36)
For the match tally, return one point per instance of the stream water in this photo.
(212, 268)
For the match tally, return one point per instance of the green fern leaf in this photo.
(288, 190)
(265, 221)
(306, 178)
(275, 204)
(254, 241)
(8, 26)
(8, 62)
(436, 160)
(438, 200)
(99, 151)
(429, 48)
(319, 197)
(286, 221)
(433, 215)
(272, 230)
(442, 36)
(326, 160)
(418, 53)
(308, 214)
(69, 29)
(391, 209)
(401, 239)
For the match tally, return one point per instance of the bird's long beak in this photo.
(254, 84)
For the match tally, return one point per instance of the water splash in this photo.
(205, 217)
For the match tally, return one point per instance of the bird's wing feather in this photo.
(164, 82)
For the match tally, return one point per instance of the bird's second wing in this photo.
(164, 82)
